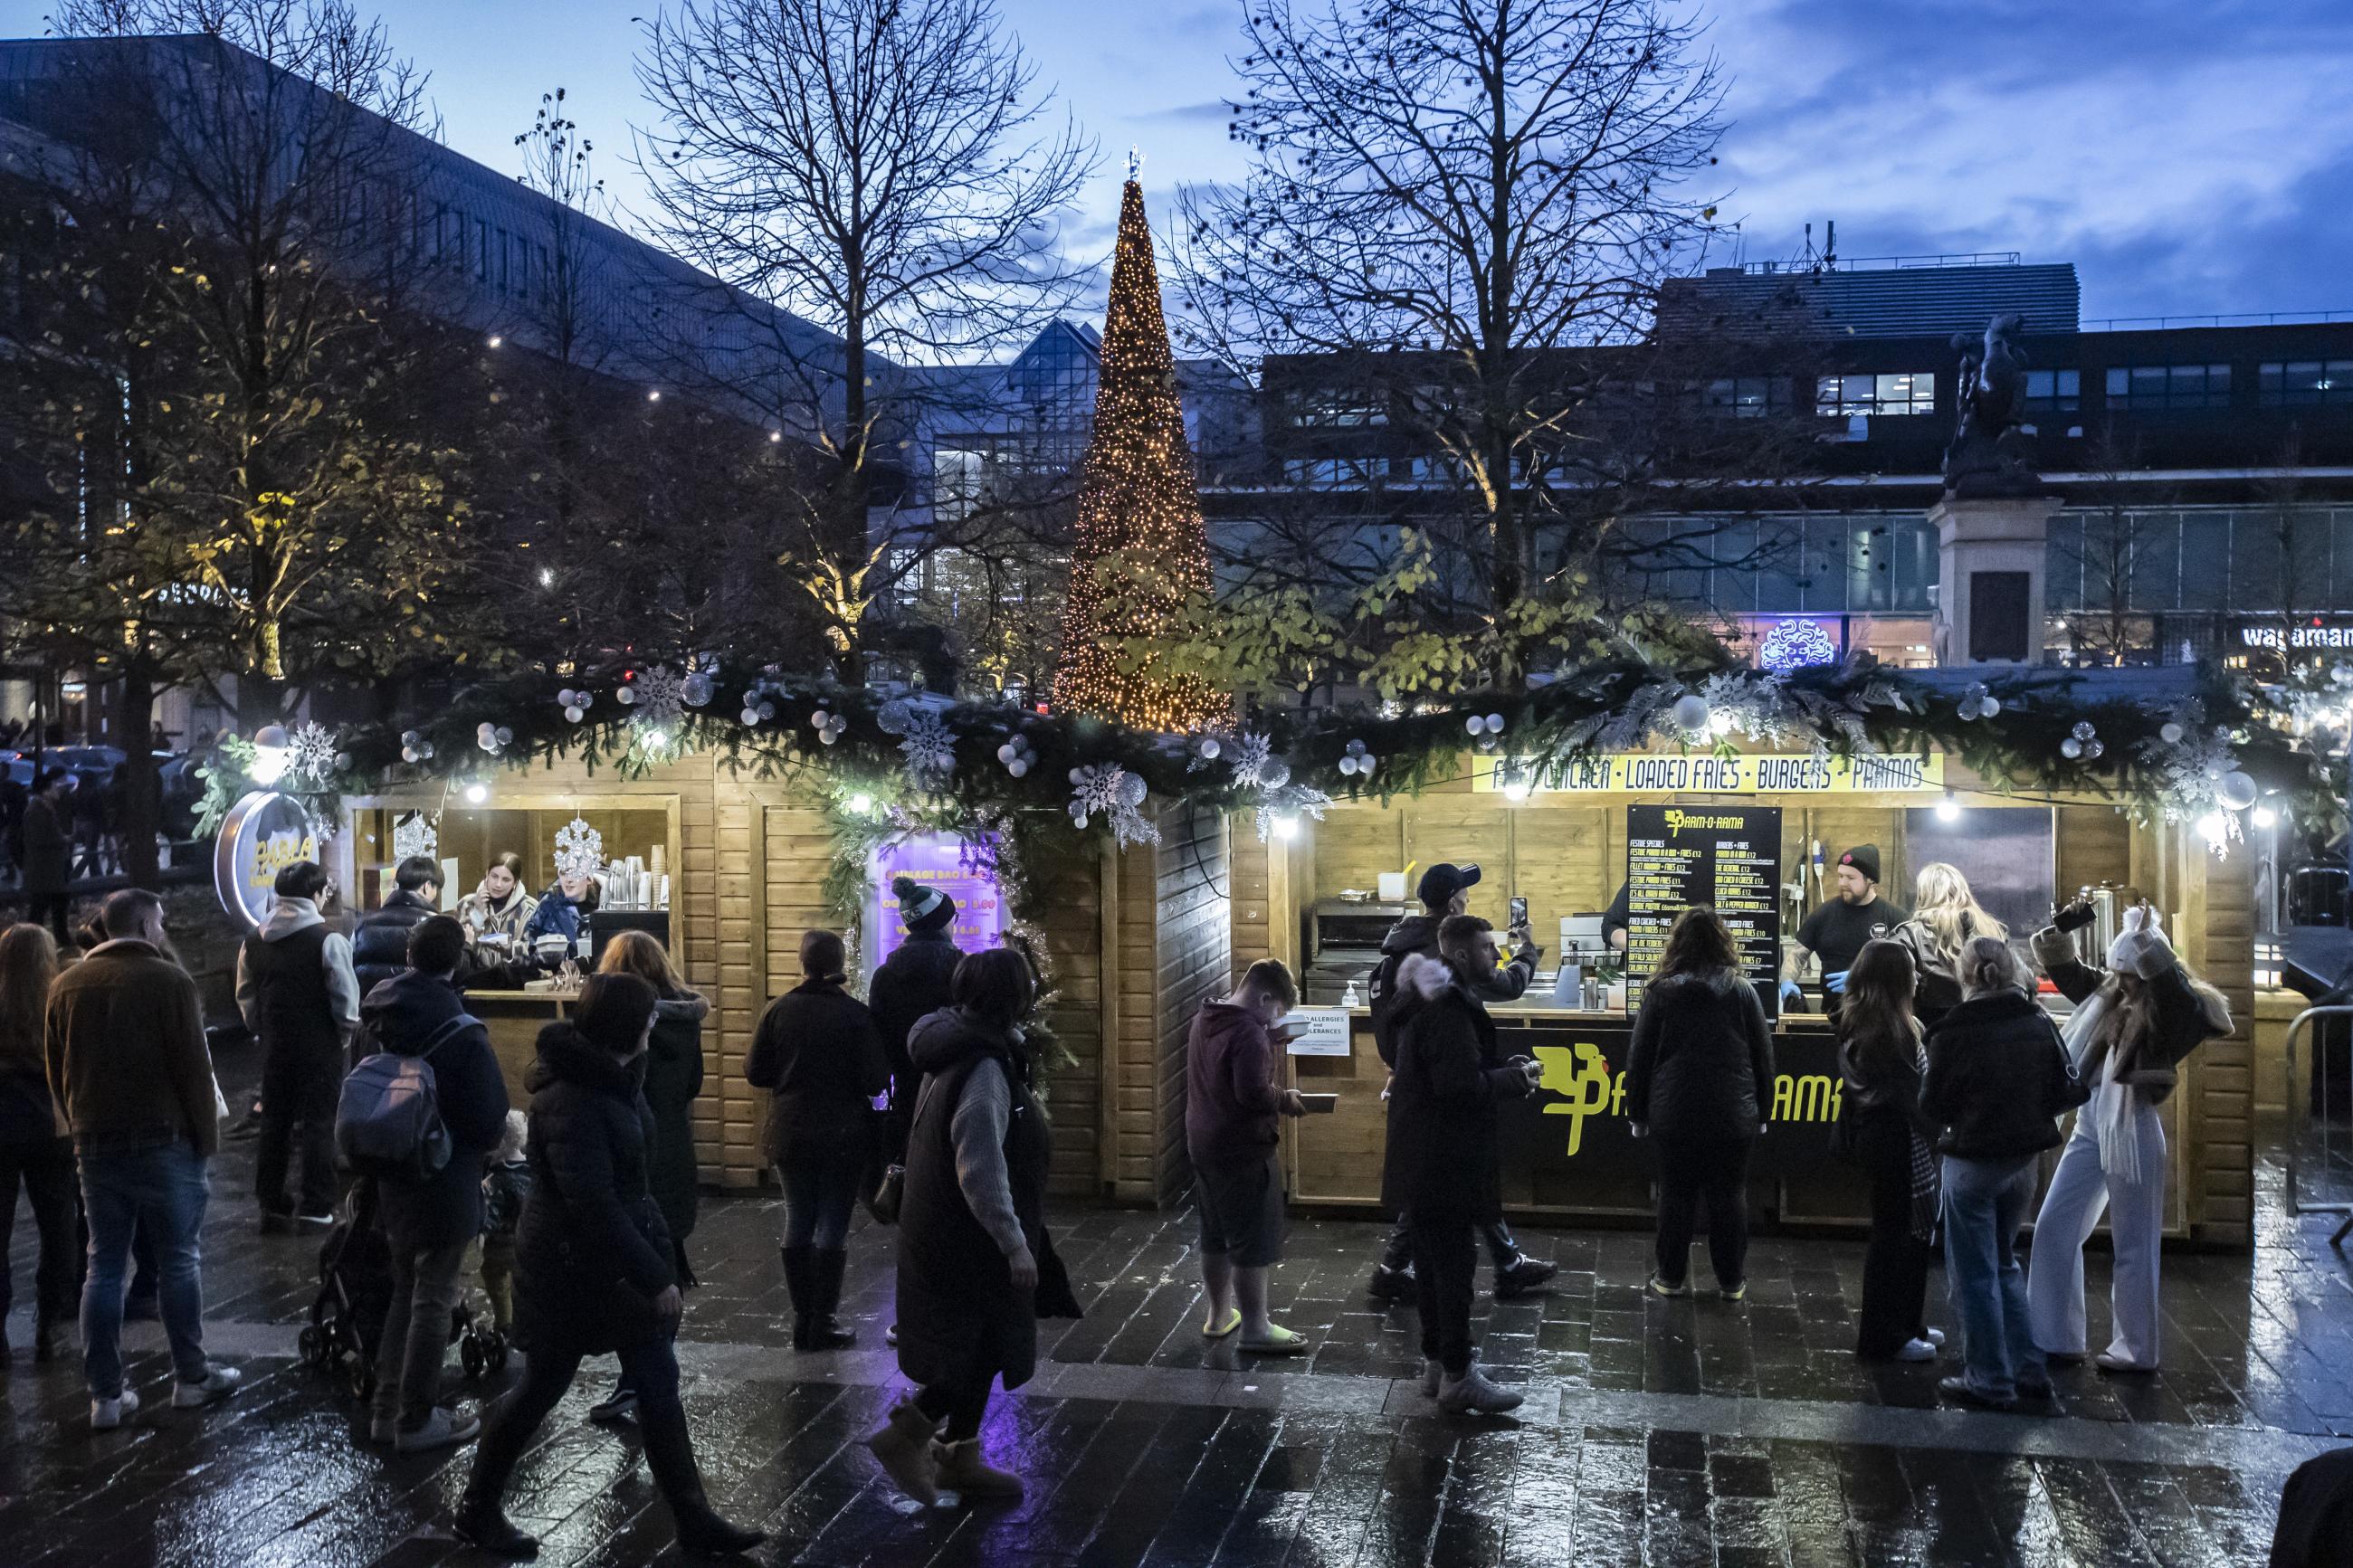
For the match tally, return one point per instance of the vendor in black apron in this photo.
(1835, 934)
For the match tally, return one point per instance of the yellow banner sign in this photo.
(1646, 773)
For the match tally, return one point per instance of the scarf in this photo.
(2113, 1113)
(1926, 1198)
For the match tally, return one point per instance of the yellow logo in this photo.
(1679, 821)
(1817, 1097)
(1580, 1075)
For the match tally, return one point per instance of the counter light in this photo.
(861, 802)
(2264, 817)
(1286, 825)
(1949, 809)
(477, 793)
(271, 754)
(2212, 828)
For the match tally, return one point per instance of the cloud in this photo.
(1211, 112)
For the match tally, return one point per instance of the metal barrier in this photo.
(2334, 1153)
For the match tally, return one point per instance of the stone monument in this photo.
(1993, 522)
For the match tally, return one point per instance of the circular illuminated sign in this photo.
(263, 834)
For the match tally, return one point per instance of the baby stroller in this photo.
(346, 1324)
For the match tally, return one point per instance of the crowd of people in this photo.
(921, 1102)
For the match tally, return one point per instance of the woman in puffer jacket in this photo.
(2132, 1026)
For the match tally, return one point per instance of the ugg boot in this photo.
(823, 1333)
(800, 1288)
(903, 1449)
(963, 1471)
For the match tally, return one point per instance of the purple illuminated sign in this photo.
(936, 860)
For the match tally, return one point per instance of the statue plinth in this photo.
(1992, 551)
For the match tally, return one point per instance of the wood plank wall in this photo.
(1174, 951)
(2215, 931)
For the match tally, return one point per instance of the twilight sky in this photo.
(2190, 156)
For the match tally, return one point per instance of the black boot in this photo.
(480, 1521)
(483, 1525)
(826, 1266)
(1390, 1285)
(669, 1454)
(800, 1288)
(1516, 1274)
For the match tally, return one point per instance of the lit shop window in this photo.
(1904, 391)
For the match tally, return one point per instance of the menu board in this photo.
(1725, 856)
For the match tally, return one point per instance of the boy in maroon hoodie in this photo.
(1233, 1098)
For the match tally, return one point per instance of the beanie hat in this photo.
(1864, 857)
(922, 908)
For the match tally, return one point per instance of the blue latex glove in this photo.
(1790, 995)
(1835, 983)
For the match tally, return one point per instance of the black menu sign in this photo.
(1727, 855)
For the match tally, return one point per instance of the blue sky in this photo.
(2188, 157)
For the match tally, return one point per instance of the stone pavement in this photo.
(1664, 1432)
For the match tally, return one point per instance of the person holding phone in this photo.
(1443, 1168)
(1231, 1103)
(595, 1273)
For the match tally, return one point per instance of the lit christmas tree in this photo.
(1139, 508)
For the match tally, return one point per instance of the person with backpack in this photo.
(297, 992)
(1444, 891)
(426, 1162)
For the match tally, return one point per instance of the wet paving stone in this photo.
(1673, 1433)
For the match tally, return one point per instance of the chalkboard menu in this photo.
(1727, 855)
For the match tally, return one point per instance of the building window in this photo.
(2304, 381)
(1327, 473)
(1325, 409)
(2054, 391)
(2166, 386)
(1749, 396)
(958, 475)
(1903, 392)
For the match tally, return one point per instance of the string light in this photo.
(1139, 508)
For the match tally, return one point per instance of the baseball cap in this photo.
(1444, 880)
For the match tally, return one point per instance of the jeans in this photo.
(1445, 1272)
(498, 1279)
(298, 1090)
(1503, 1247)
(1718, 1172)
(45, 1167)
(161, 1191)
(1985, 1203)
(818, 1197)
(2078, 1190)
(1895, 1261)
(425, 1291)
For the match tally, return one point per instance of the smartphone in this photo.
(1321, 1104)
(1519, 912)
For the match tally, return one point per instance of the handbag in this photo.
(887, 1192)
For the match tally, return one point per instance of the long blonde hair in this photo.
(1949, 912)
(643, 954)
(28, 962)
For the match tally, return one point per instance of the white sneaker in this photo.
(1934, 1336)
(1916, 1350)
(106, 1415)
(442, 1429)
(1472, 1393)
(217, 1385)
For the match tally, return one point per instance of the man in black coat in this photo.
(910, 986)
(44, 839)
(1444, 890)
(428, 1224)
(380, 944)
(1443, 1168)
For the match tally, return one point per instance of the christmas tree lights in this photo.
(1140, 562)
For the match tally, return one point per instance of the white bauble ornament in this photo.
(2169, 732)
(1689, 712)
(2238, 791)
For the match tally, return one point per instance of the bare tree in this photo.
(1468, 209)
(2105, 543)
(879, 169)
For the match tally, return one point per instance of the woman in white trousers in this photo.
(2131, 1028)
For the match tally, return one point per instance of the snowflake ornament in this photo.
(311, 754)
(1256, 765)
(2187, 772)
(1018, 755)
(579, 849)
(1356, 762)
(828, 726)
(575, 704)
(417, 833)
(925, 740)
(656, 698)
(1111, 791)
